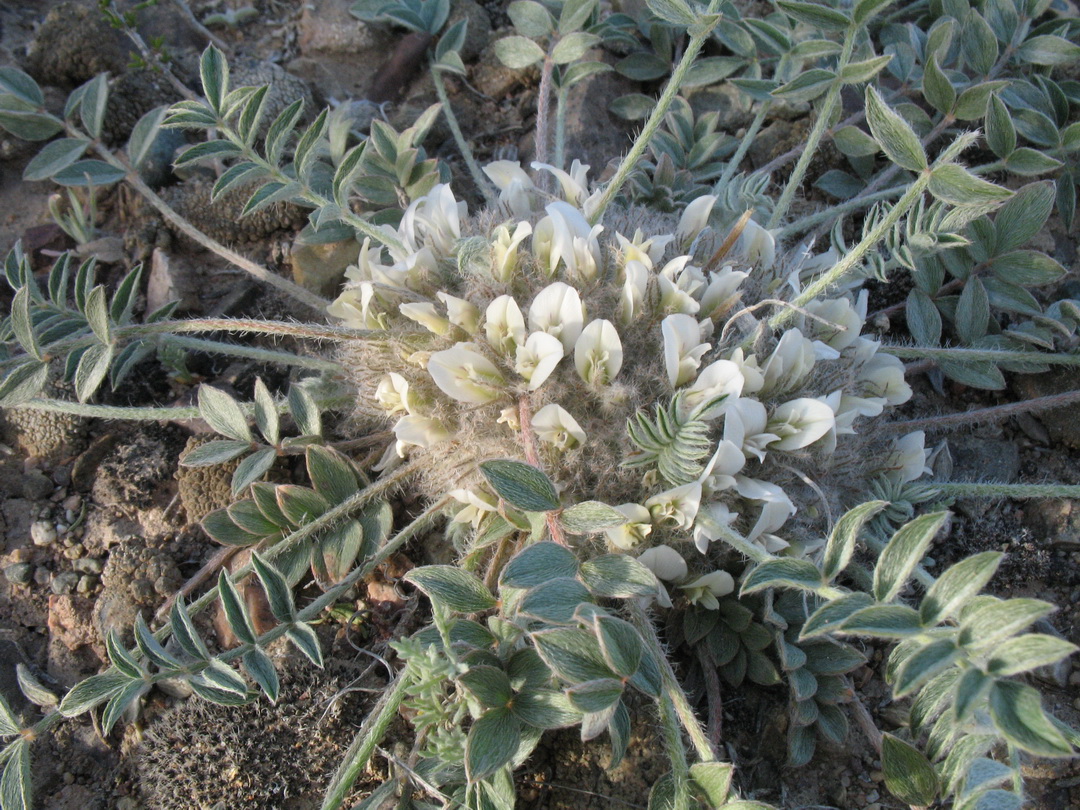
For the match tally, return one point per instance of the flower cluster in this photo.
(534, 313)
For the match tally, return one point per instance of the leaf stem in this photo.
(978, 415)
(960, 354)
(483, 185)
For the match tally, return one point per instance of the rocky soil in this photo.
(98, 523)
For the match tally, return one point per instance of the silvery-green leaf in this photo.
(1028, 652)
(818, 16)
(83, 173)
(521, 485)
(492, 742)
(300, 504)
(261, 669)
(574, 14)
(959, 583)
(305, 640)
(972, 311)
(978, 43)
(338, 548)
(538, 563)
(975, 373)
(9, 723)
(120, 703)
(1031, 162)
(572, 654)
(143, 135)
(903, 553)
(710, 70)
(1000, 132)
(924, 665)
(23, 383)
(33, 689)
(807, 85)
(517, 52)
(676, 12)
(214, 72)
(815, 49)
(954, 184)
(183, 630)
(864, 71)
(452, 588)
(909, 776)
(235, 610)
(123, 300)
(1017, 712)
(331, 473)
(92, 106)
(554, 601)
(544, 709)
(19, 84)
(305, 154)
(590, 517)
(971, 103)
(853, 142)
(208, 150)
(215, 452)
(619, 576)
(53, 157)
(489, 685)
(452, 39)
(898, 141)
(573, 46)
(632, 106)
(266, 415)
(971, 688)
(787, 572)
(620, 644)
(278, 594)
(985, 773)
(1048, 50)
(713, 779)
(92, 369)
(97, 314)
(1023, 215)
(16, 784)
(92, 692)
(595, 696)
(222, 413)
(305, 411)
(22, 323)
(883, 621)
(989, 624)
(841, 543)
(936, 87)
(278, 133)
(265, 496)
(151, 648)
(29, 126)
(923, 318)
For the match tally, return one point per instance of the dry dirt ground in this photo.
(96, 524)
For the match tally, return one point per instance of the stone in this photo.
(64, 583)
(171, 279)
(594, 135)
(88, 565)
(1058, 521)
(478, 28)
(321, 268)
(725, 99)
(1060, 423)
(37, 486)
(338, 53)
(43, 533)
(19, 573)
(86, 584)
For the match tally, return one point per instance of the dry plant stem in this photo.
(198, 578)
(865, 720)
(714, 726)
(254, 269)
(483, 185)
(528, 441)
(834, 212)
(928, 354)
(978, 415)
(202, 29)
(729, 241)
(744, 146)
(629, 163)
(153, 59)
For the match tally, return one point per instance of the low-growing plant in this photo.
(655, 433)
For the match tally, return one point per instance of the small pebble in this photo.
(72, 502)
(86, 584)
(69, 778)
(36, 486)
(19, 573)
(877, 776)
(74, 552)
(873, 796)
(43, 533)
(88, 565)
(61, 475)
(64, 583)
(42, 575)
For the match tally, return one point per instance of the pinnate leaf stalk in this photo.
(831, 214)
(979, 415)
(744, 145)
(961, 354)
(824, 115)
(255, 353)
(560, 127)
(964, 489)
(483, 185)
(697, 40)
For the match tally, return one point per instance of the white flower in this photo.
(477, 506)
(420, 431)
(720, 379)
(515, 186)
(722, 293)
(665, 562)
(639, 249)
(504, 325)
(553, 424)
(883, 376)
(598, 353)
(683, 348)
(776, 506)
(680, 285)
(464, 374)
(437, 217)
(426, 316)
(909, 459)
(510, 417)
(574, 184)
(694, 219)
(393, 394)
(800, 422)
(638, 526)
(845, 319)
(537, 358)
(356, 307)
(635, 286)
(789, 363)
(565, 238)
(678, 506)
(557, 310)
(757, 245)
(753, 381)
(461, 313)
(719, 473)
(744, 426)
(504, 249)
(705, 589)
(711, 523)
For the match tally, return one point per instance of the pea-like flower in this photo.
(564, 238)
(462, 314)
(514, 185)
(504, 249)
(757, 245)
(537, 358)
(744, 426)
(722, 292)
(393, 394)
(598, 353)
(647, 251)
(683, 348)
(908, 460)
(705, 589)
(665, 562)
(557, 310)
(789, 363)
(553, 424)
(426, 315)
(711, 524)
(464, 374)
(800, 422)
(677, 506)
(638, 526)
(776, 506)
(720, 379)
(845, 320)
(635, 286)
(418, 431)
(477, 506)
(694, 219)
(504, 325)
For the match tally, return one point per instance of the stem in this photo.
(543, 111)
(991, 414)
(855, 255)
(113, 411)
(976, 355)
(560, 128)
(809, 149)
(247, 265)
(992, 490)
(744, 146)
(666, 98)
(365, 742)
(479, 178)
(255, 353)
(831, 213)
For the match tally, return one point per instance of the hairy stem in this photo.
(478, 176)
(930, 353)
(560, 128)
(656, 118)
(543, 108)
(979, 415)
(744, 145)
(829, 214)
(994, 490)
(254, 353)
